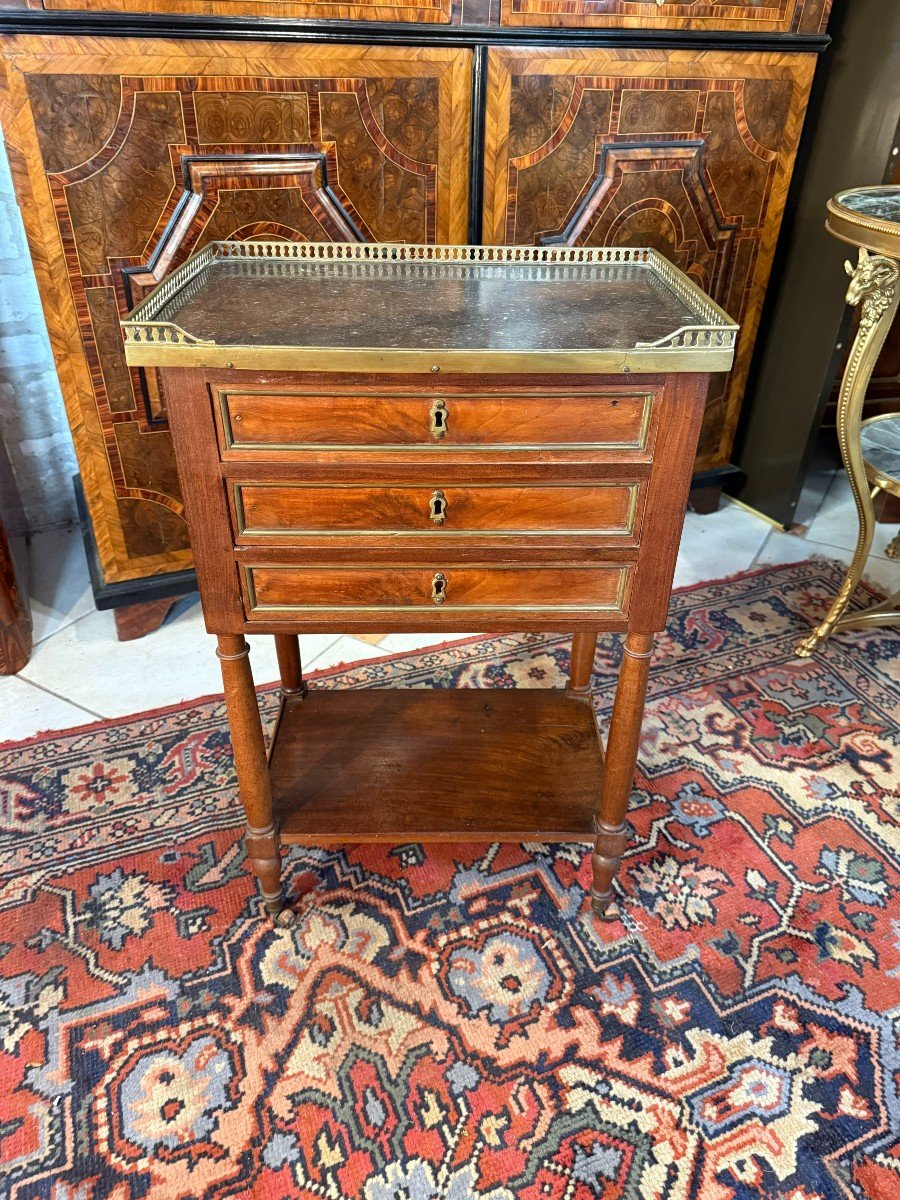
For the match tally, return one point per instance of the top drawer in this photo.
(285, 422)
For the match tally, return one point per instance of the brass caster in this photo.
(286, 919)
(604, 908)
(892, 550)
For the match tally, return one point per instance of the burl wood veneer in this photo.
(129, 155)
(689, 152)
(724, 16)
(744, 16)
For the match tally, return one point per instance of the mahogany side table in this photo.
(433, 438)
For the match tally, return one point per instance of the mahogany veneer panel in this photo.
(291, 421)
(408, 765)
(605, 510)
(745, 16)
(129, 154)
(385, 589)
(688, 152)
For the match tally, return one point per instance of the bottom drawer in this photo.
(272, 589)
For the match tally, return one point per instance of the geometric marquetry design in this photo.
(746, 16)
(283, 197)
(688, 153)
(130, 154)
(424, 12)
(658, 194)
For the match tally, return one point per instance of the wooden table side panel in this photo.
(670, 481)
(206, 504)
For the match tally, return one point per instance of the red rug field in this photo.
(449, 1022)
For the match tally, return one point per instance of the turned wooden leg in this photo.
(618, 771)
(287, 647)
(581, 663)
(263, 849)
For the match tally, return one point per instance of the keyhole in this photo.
(439, 419)
(439, 588)
(438, 507)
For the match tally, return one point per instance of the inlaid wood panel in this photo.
(420, 11)
(746, 16)
(726, 16)
(688, 152)
(129, 155)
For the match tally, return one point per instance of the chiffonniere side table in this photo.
(432, 438)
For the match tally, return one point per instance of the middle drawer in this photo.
(281, 511)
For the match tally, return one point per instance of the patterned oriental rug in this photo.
(449, 1021)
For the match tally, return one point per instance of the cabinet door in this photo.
(745, 16)
(129, 155)
(690, 153)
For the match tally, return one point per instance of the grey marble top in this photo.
(881, 204)
(880, 443)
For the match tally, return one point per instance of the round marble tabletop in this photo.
(869, 217)
(880, 442)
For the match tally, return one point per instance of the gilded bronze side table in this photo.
(870, 219)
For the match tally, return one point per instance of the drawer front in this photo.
(276, 589)
(279, 511)
(288, 422)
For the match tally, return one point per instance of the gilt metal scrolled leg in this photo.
(874, 285)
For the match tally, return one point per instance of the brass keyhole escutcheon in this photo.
(438, 507)
(439, 419)
(439, 588)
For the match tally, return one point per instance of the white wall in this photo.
(37, 460)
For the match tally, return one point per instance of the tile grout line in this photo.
(308, 663)
(761, 548)
(61, 628)
(834, 475)
(59, 696)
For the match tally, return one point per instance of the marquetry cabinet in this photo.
(130, 153)
(689, 153)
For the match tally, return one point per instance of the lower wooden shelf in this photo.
(405, 765)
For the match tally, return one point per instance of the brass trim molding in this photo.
(703, 346)
(849, 225)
